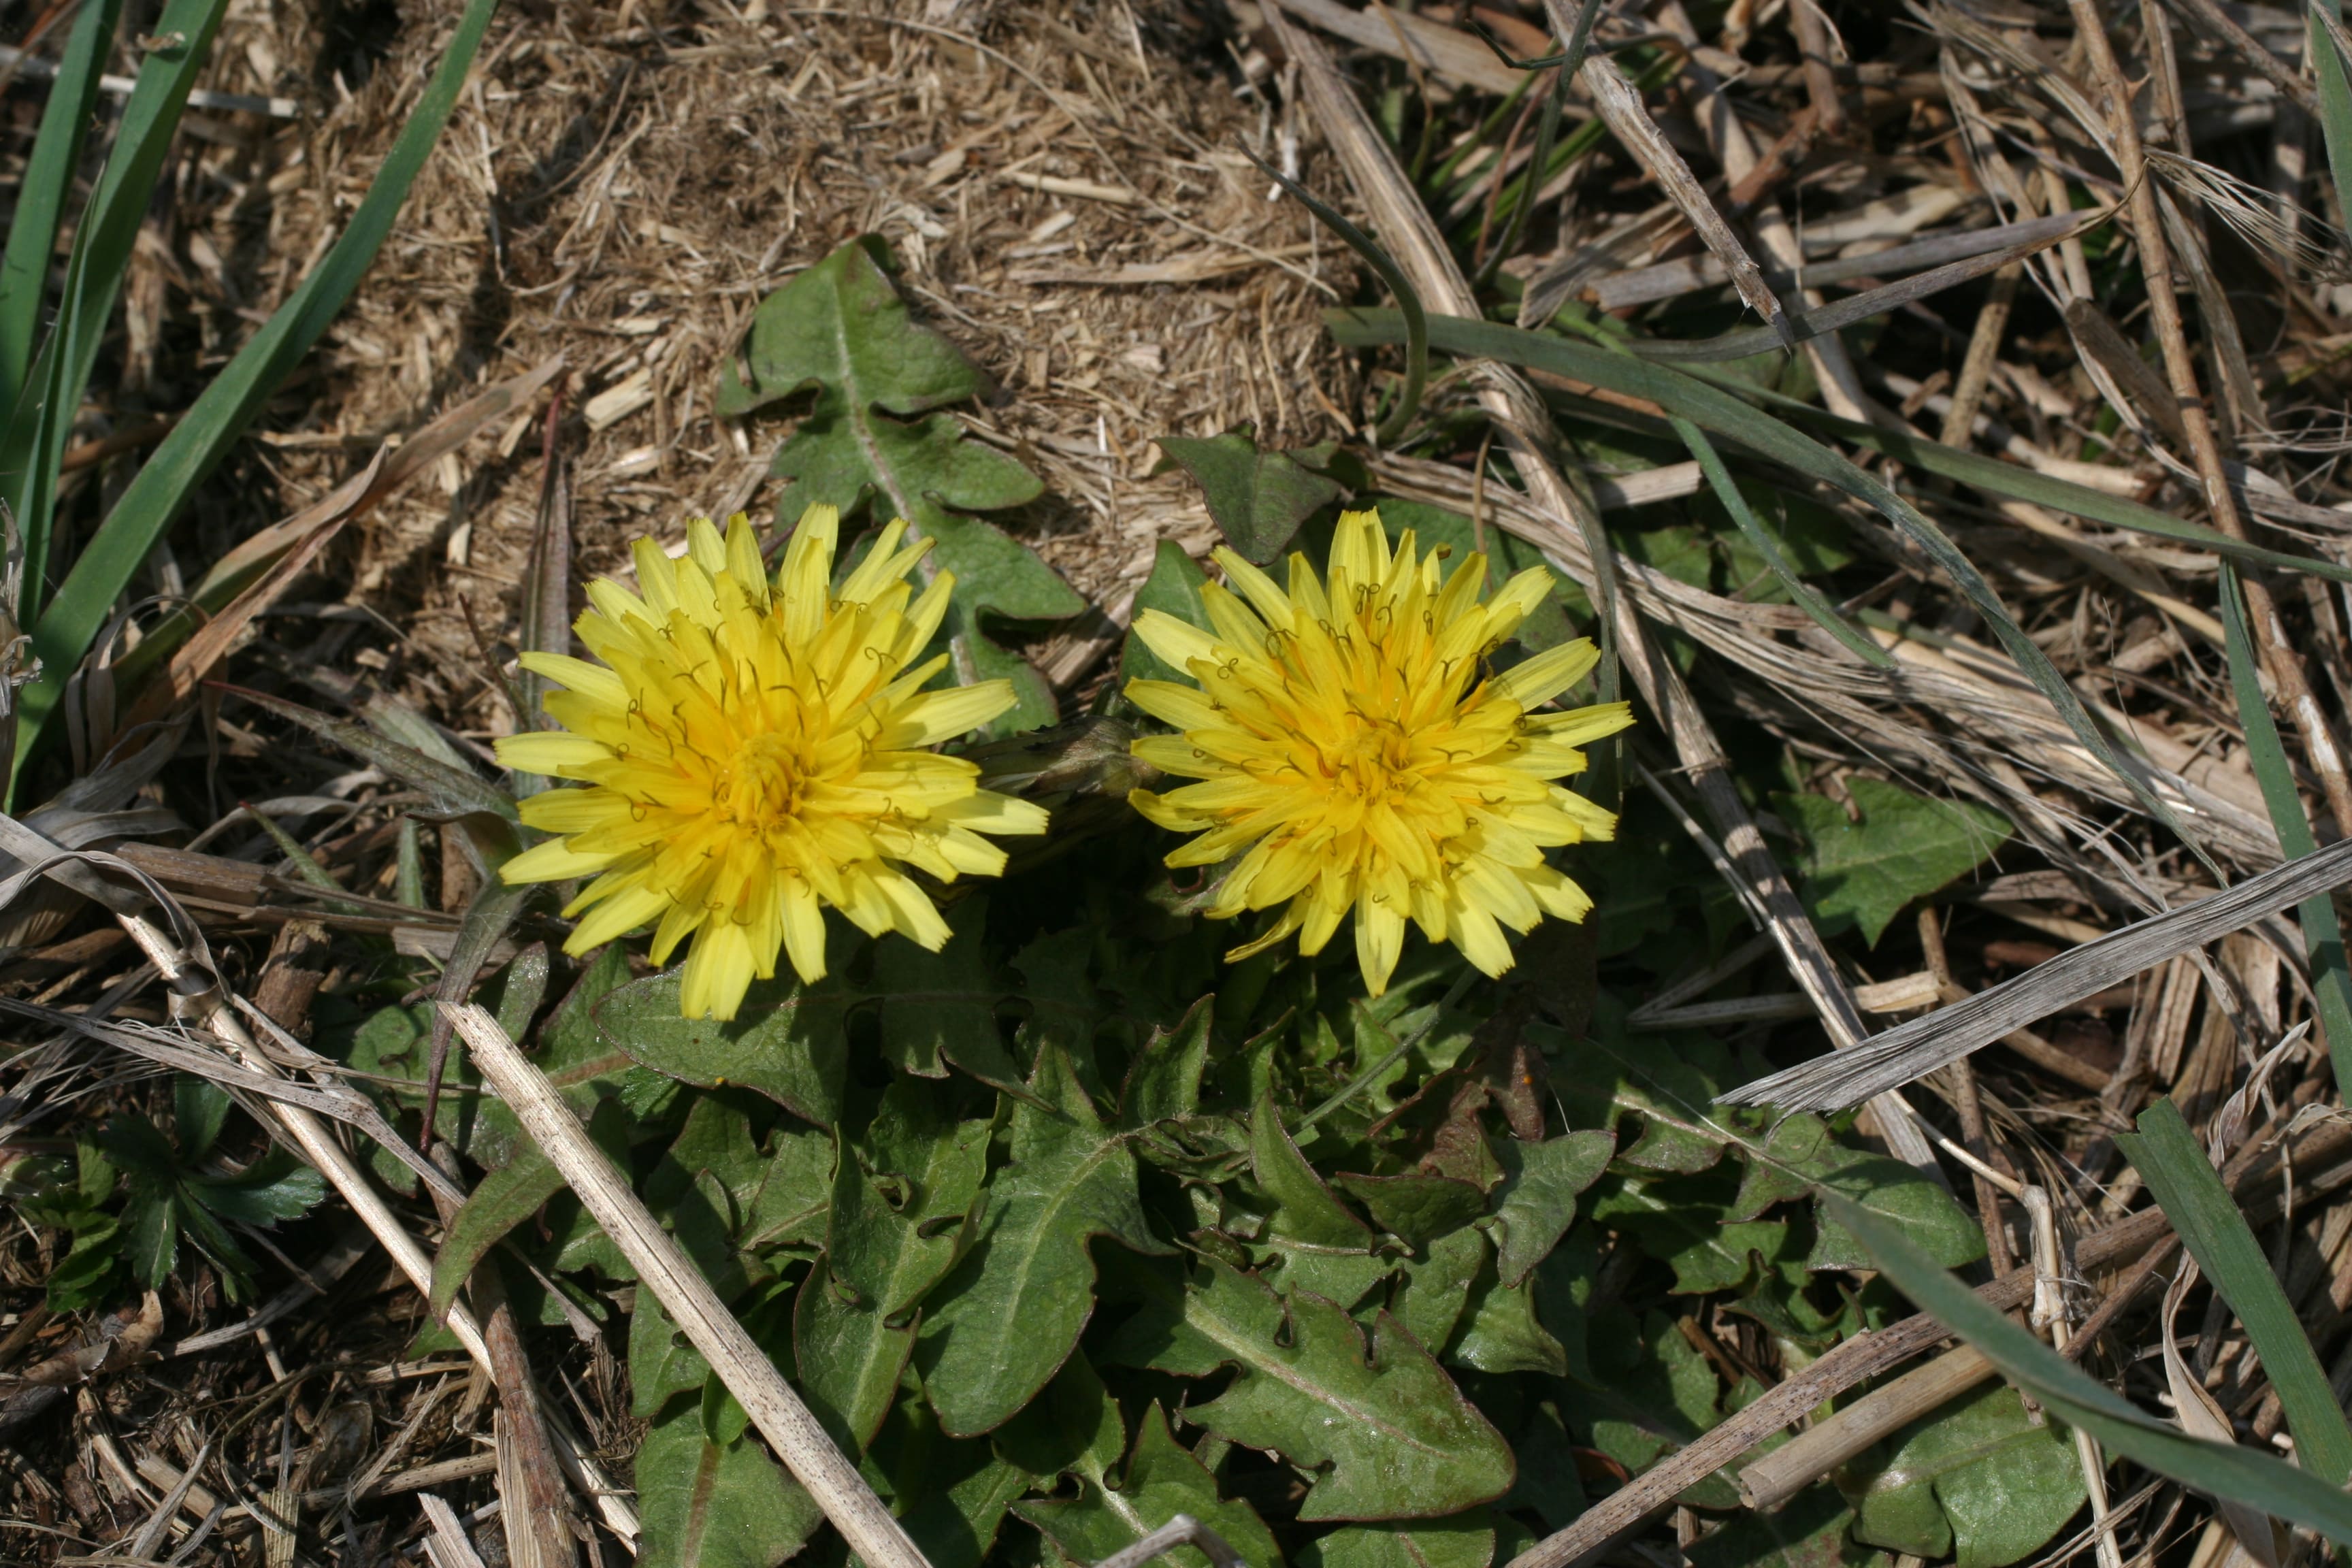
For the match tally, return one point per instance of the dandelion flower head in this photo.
(1348, 737)
(756, 750)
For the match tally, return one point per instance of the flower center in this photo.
(1369, 762)
(760, 783)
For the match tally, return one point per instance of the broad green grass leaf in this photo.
(1465, 1541)
(33, 440)
(841, 328)
(1906, 845)
(2172, 1162)
(1397, 1439)
(42, 191)
(1979, 1482)
(1161, 1481)
(2328, 71)
(1305, 1211)
(170, 476)
(703, 1505)
(1005, 1319)
(1537, 1202)
(1173, 589)
(2068, 1392)
(1258, 498)
(788, 1042)
(1726, 492)
(1809, 1533)
(1163, 1081)
(2322, 934)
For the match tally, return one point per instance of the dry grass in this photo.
(1063, 189)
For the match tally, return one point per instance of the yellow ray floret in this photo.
(1354, 755)
(755, 751)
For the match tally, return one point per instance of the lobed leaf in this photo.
(1004, 1321)
(1388, 1433)
(841, 329)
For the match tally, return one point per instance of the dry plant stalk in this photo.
(666, 1270)
(2285, 666)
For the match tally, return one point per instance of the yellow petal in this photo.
(1178, 642)
(550, 752)
(937, 716)
(554, 861)
(1549, 673)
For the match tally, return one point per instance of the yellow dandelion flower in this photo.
(756, 752)
(1349, 740)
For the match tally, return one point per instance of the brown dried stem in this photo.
(2285, 666)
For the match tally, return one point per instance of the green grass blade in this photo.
(32, 444)
(41, 195)
(2220, 1469)
(2327, 69)
(204, 436)
(2322, 934)
(1995, 476)
(1713, 409)
(2209, 1223)
(1369, 329)
(1726, 491)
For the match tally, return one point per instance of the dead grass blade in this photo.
(1621, 108)
(1821, 320)
(1905, 1052)
(664, 1268)
(1670, 279)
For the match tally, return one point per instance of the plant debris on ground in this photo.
(1932, 415)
